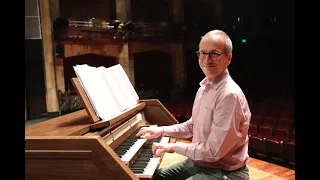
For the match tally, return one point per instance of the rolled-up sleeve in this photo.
(224, 133)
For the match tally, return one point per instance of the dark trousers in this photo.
(187, 170)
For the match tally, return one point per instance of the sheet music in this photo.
(130, 92)
(124, 84)
(108, 89)
(97, 91)
(81, 71)
(114, 88)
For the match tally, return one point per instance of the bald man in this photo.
(218, 126)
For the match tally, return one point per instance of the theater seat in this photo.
(270, 122)
(285, 123)
(258, 142)
(274, 145)
(288, 149)
(286, 113)
(273, 112)
(258, 115)
(253, 131)
(256, 120)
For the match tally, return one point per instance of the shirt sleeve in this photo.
(223, 137)
(182, 130)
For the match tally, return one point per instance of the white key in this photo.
(133, 150)
(164, 140)
(152, 165)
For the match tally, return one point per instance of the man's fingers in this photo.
(159, 152)
(146, 136)
(142, 132)
(139, 134)
(155, 146)
(143, 128)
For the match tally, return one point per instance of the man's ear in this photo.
(229, 56)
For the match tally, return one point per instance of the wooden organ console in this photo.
(79, 146)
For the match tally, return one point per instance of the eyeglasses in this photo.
(213, 55)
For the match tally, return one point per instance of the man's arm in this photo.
(182, 130)
(224, 134)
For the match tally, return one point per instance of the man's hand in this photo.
(150, 132)
(158, 149)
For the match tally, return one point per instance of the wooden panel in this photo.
(77, 147)
(60, 75)
(123, 115)
(59, 164)
(54, 9)
(75, 123)
(51, 89)
(156, 113)
(102, 51)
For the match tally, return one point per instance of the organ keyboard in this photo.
(72, 146)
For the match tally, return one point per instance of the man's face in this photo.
(213, 59)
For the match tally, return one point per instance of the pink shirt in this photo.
(218, 126)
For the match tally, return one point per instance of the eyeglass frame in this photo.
(212, 53)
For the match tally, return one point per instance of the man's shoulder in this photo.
(231, 88)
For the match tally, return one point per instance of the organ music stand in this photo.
(91, 112)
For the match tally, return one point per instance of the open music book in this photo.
(109, 90)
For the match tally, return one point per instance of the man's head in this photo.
(215, 53)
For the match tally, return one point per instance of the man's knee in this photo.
(176, 171)
(238, 175)
(203, 176)
(157, 175)
(168, 173)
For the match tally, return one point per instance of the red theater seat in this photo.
(285, 123)
(274, 145)
(270, 122)
(288, 149)
(258, 142)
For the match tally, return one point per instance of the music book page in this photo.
(125, 85)
(97, 91)
(114, 88)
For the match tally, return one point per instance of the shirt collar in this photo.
(220, 78)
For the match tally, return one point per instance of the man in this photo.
(218, 126)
